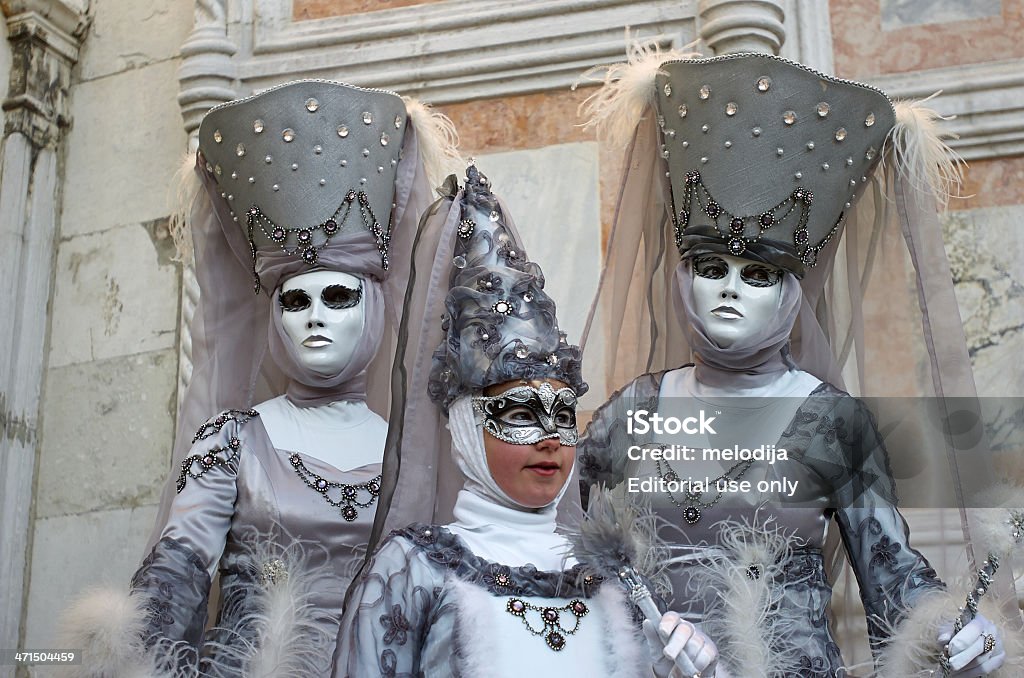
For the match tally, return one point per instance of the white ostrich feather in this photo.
(185, 188)
(1012, 635)
(626, 90)
(438, 140)
(746, 621)
(625, 645)
(994, 526)
(108, 627)
(920, 154)
(476, 653)
(911, 648)
(289, 639)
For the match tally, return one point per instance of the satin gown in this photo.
(839, 459)
(259, 517)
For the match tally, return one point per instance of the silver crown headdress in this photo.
(499, 323)
(765, 155)
(306, 165)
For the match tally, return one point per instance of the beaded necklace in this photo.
(349, 495)
(692, 502)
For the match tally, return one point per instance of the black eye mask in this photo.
(333, 296)
(525, 415)
(754, 274)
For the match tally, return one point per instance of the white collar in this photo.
(510, 536)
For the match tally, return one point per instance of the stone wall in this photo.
(109, 386)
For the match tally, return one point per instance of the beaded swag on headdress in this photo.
(807, 143)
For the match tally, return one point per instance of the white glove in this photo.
(967, 655)
(684, 647)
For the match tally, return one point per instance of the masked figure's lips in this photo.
(316, 341)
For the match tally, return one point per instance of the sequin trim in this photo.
(213, 426)
(218, 456)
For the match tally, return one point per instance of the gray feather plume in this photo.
(620, 530)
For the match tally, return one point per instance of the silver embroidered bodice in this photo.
(244, 511)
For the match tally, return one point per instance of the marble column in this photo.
(45, 37)
(731, 26)
(206, 78)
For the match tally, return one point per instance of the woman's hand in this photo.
(976, 650)
(675, 642)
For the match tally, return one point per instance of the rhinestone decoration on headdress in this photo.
(765, 156)
(293, 163)
(500, 324)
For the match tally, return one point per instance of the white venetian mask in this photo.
(322, 313)
(735, 298)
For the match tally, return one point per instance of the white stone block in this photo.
(985, 248)
(126, 35)
(125, 145)
(73, 553)
(115, 293)
(107, 434)
(553, 195)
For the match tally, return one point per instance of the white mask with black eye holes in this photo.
(735, 298)
(322, 312)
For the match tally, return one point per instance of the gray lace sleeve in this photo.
(891, 574)
(175, 576)
(389, 614)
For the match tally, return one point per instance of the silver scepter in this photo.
(1002, 529)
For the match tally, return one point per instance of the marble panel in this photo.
(534, 121)
(107, 429)
(321, 9)
(985, 248)
(123, 150)
(73, 553)
(115, 293)
(126, 35)
(552, 194)
(903, 13)
(865, 45)
(991, 183)
(518, 122)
